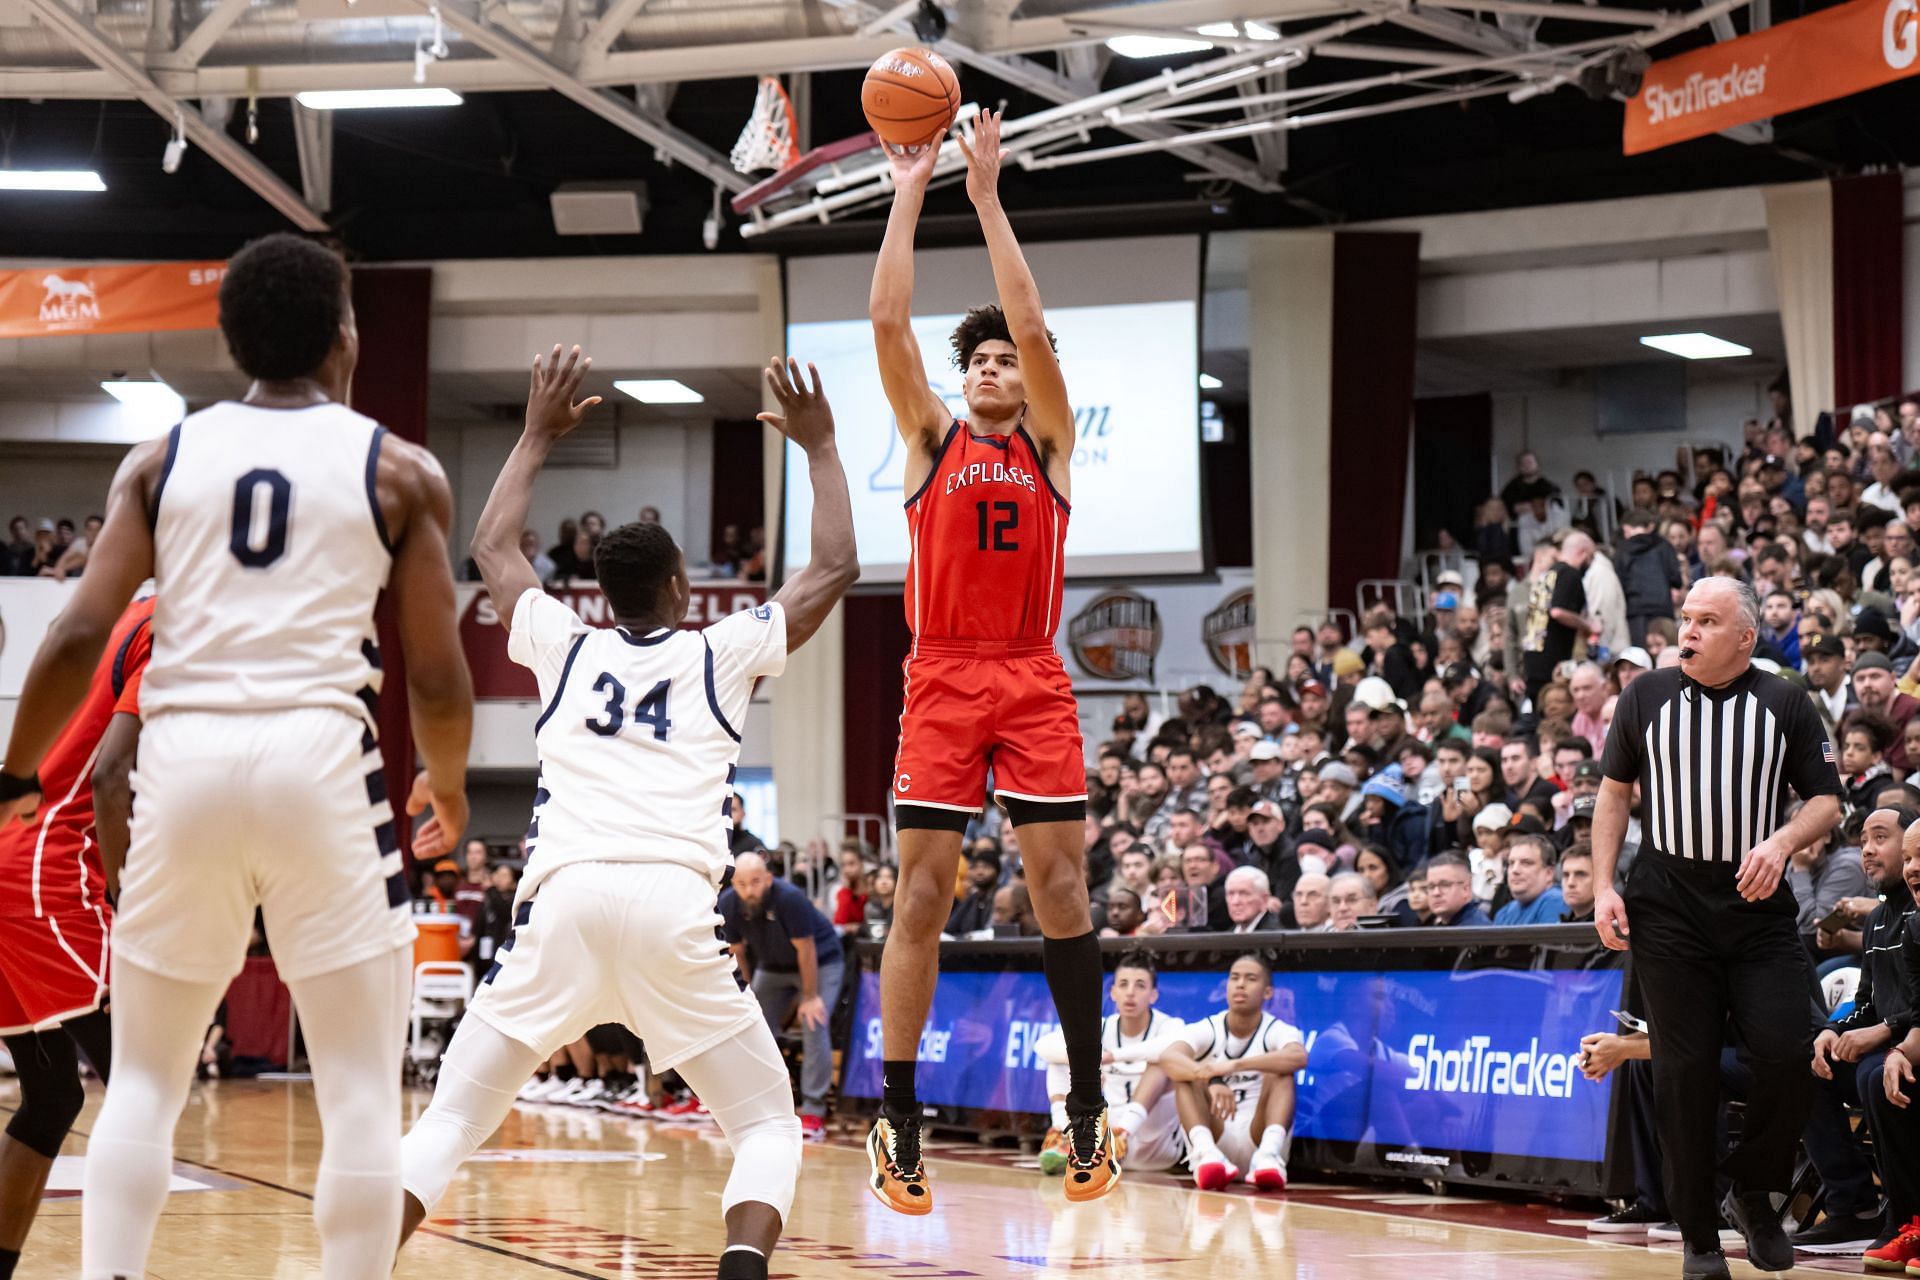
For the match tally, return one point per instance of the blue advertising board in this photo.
(1474, 1061)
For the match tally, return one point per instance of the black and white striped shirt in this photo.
(1715, 765)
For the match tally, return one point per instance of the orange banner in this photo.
(1826, 55)
(45, 301)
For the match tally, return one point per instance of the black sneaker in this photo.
(1711, 1265)
(1843, 1232)
(1754, 1217)
(1635, 1217)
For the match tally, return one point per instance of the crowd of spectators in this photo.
(570, 558)
(47, 549)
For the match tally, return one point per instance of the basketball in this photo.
(910, 97)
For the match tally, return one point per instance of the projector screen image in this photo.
(1131, 367)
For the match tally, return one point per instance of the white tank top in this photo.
(269, 552)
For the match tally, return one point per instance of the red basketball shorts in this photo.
(52, 968)
(975, 704)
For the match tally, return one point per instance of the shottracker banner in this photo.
(150, 298)
(1410, 1062)
(1826, 55)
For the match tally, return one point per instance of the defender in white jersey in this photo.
(271, 526)
(639, 737)
(1233, 1076)
(1146, 1122)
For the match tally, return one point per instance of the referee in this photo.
(1714, 748)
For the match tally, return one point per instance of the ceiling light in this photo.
(1238, 30)
(658, 391)
(1155, 46)
(1260, 31)
(1228, 30)
(149, 405)
(1695, 346)
(1210, 383)
(365, 99)
(50, 180)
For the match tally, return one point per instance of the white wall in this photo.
(1557, 425)
(668, 465)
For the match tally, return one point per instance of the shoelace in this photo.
(1911, 1232)
(1085, 1133)
(906, 1149)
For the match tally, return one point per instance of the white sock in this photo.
(743, 1248)
(1059, 1113)
(1132, 1117)
(1274, 1142)
(1200, 1139)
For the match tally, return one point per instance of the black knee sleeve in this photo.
(921, 817)
(1023, 812)
(50, 1091)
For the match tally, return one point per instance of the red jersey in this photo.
(52, 865)
(988, 533)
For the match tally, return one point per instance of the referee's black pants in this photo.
(1706, 956)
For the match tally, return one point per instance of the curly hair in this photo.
(281, 303)
(633, 562)
(983, 324)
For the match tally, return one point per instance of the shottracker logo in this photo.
(1701, 92)
(1475, 1066)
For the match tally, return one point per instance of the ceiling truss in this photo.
(1226, 115)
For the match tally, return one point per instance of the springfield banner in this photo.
(1826, 55)
(47, 301)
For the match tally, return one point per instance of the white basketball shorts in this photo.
(284, 810)
(636, 943)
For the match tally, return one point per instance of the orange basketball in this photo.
(910, 97)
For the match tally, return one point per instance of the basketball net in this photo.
(768, 140)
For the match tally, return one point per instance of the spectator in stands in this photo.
(741, 840)
(974, 911)
(470, 899)
(850, 899)
(1865, 737)
(1450, 892)
(791, 955)
(1124, 915)
(1822, 875)
(1826, 660)
(1522, 778)
(878, 912)
(1013, 913)
(1873, 685)
(1349, 897)
(1338, 785)
(1589, 688)
(1382, 873)
(543, 565)
(1780, 626)
(16, 557)
(565, 565)
(496, 913)
(1311, 910)
(1247, 890)
(1556, 615)
(1650, 572)
(1530, 877)
(1576, 883)
(1200, 870)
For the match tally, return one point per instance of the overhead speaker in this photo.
(599, 208)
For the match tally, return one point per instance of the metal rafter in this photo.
(202, 38)
(236, 159)
(609, 106)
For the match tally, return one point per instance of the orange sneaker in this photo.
(1898, 1253)
(1053, 1154)
(893, 1153)
(1093, 1166)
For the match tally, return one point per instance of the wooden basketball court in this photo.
(564, 1192)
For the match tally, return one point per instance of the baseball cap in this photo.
(1246, 729)
(1583, 808)
(1637, 656)
(1446, 601)
(1264, 751)
(1267, 809)
(1373, 692)
(1872, 662)
(1347, 663)
(45, 525)
(1313, 687)
(1336, 771)
(446, 864)
(1822, 645)
(1495, 817)
(1449, 578)
(1587, 771)
(1458, 673)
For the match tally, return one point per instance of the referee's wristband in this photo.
(13, 787)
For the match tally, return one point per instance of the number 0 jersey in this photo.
(269, 551)
(988, 533)
(640, 735)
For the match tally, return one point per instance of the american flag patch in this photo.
(1826, 751)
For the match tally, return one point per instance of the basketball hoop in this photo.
(768, 141)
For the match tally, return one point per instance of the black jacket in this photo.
(1882, 995)
(1649, 573)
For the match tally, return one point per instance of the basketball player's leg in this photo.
(1272, 1132)
(1208, 1117)
(50, 1100)
(158, 1022)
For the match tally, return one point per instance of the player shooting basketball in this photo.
(987, 517)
